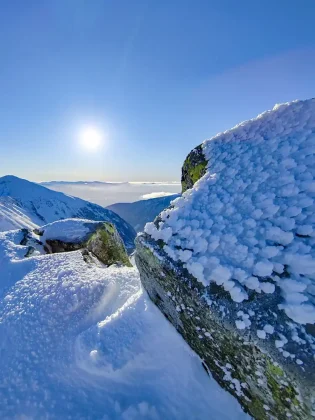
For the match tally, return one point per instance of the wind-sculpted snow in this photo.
(12, 216)
(248, 223)
(78, 340)
(26, 204)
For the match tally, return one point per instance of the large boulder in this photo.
(99, 238)
(232, 262)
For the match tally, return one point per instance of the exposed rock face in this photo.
(193, 168)
(107, 245)
(255, 343)
(30, 241)
(99, 238)
(253, 372)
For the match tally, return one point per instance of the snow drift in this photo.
(79, 340)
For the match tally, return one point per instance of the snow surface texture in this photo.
(29, 205)
(143, 211)
(79, 340)
(12, 216)
(248, 223)
(68, 230)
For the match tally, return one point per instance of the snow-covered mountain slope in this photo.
(143, 211)
(26, 204)
(78, 340)
(12, 216)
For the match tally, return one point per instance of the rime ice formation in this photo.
(231, 263)
(248, 223)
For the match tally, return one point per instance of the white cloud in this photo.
(156, 194)
(109, 193)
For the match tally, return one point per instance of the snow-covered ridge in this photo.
(79, 340)
(248, 223)
(26, 204)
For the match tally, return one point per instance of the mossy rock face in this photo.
(107, 246)
(103, 241)
(193, 168)
(267, 385)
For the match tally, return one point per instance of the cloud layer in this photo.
(107, 193)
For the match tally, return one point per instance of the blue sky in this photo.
(157, 77)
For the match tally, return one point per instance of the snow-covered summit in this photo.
(22, 189)
(248, 223)
(27, 204)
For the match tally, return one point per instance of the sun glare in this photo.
(91, 138)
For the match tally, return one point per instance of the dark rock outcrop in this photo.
(102, 240)
(193, 168)
(249, 368)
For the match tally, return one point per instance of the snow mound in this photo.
(78, 340)
(248, 223)
(68, 230)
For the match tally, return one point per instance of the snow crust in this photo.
(68, 230)
(248, 223)
(80, 340)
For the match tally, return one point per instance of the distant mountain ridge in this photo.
(80, 183)
(27, 204)
(143, 211)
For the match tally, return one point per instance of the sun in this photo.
(91, 138)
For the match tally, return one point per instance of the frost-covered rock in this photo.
(248, 273)
(100, 238)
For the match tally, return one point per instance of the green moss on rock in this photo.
(264, 388)
(102, 240)
(274, 369)
(194, 168)
(107, 245)
(256, 408)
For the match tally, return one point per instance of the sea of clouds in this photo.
(107, 193)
